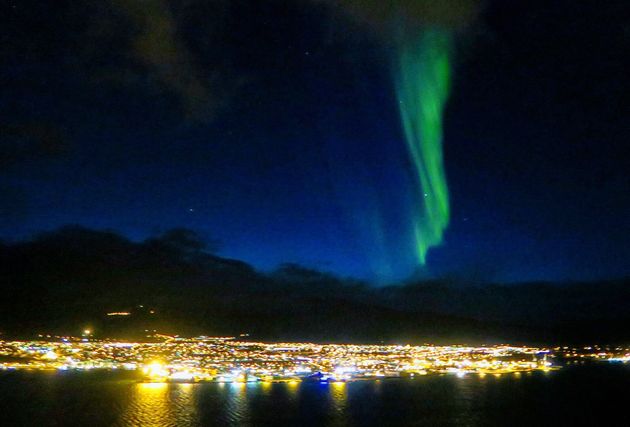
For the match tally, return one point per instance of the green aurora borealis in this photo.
(422, 77)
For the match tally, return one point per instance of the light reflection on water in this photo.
(159, 405)
(338, 392)
(237, 410)
(165, 405)
(104, 400)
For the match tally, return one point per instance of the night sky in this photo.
(272, 127)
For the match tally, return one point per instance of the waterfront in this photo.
(586, 394)
(226, 360)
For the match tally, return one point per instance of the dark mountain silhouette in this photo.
(69, 279)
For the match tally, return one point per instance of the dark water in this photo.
(584, 395)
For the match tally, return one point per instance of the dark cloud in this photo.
(389, 16)
(172, 49)
(149, 44)
(157, 44)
